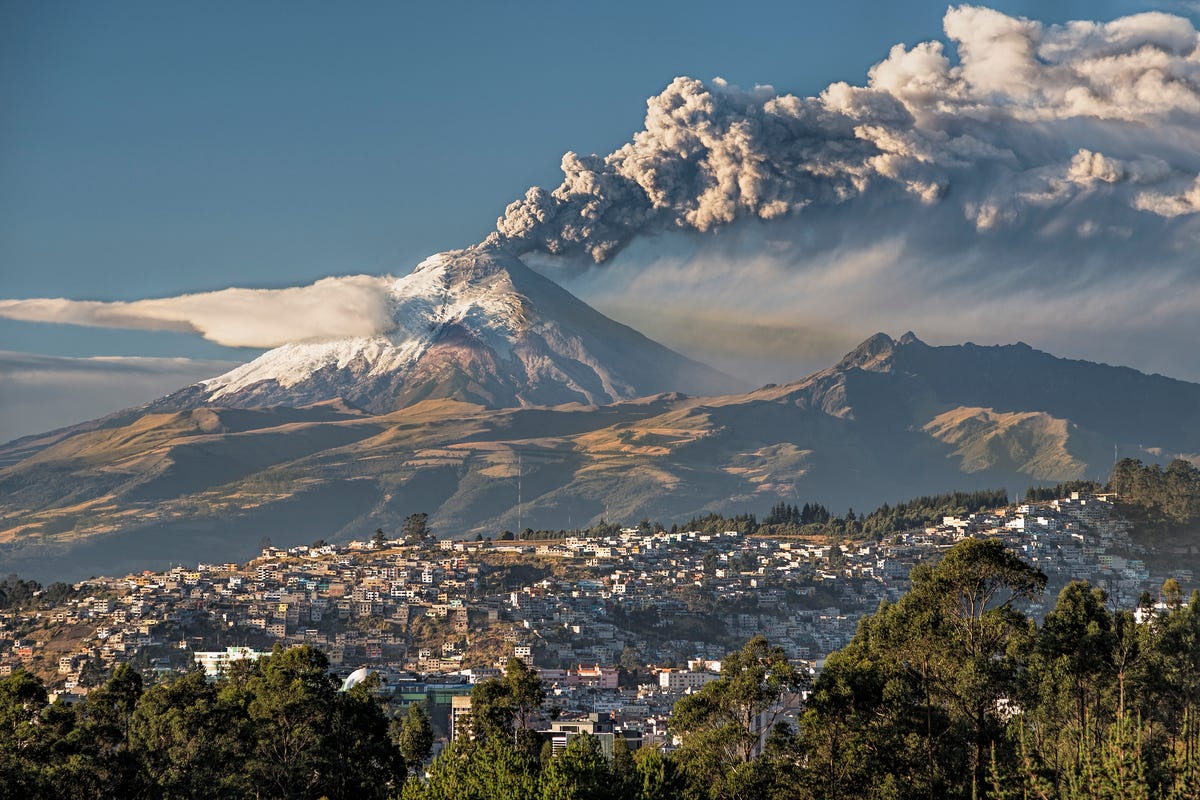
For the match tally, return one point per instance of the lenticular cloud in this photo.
(1030, 119)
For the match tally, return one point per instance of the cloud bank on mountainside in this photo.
(41, 392)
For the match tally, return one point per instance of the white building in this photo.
(678, 680)
(216, 662)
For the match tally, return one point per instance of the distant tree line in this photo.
(746, 524)
(600, 530)
(929, 509)
(18, 593)
(814, 519)
(1042, 494)
(1170, 495)
(787, 514)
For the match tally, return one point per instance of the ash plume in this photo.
(1026, 120)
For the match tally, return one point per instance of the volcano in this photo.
(476, 325)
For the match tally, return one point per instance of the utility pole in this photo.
(520, 527)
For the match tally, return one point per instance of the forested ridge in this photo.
(1170, 496)
(1159, 497)
(1161, 500)
(951, 692)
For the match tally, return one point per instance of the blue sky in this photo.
(157, 148)
(150, 149)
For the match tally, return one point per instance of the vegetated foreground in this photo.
(953, 691)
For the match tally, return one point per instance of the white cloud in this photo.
(1172, 204)
(355, 305)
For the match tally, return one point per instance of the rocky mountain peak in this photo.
(873, 354)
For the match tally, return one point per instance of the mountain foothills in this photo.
(500, 401)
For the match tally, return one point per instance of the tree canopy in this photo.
(277, 728)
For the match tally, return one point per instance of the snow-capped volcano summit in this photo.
(476, 325)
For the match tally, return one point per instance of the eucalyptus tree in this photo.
(922, 690)
(723, 727)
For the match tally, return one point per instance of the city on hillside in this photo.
(619, 625)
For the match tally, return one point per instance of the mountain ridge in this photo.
(895, 418)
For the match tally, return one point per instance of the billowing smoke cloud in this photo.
(1032, 118)
(356, 305)
(1025, 181)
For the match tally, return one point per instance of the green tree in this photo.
(723, 727)
(366, 763)
(525, 690)
(92, 673)
(1167, 692)
(23, 747)
(415, 737)
(308, 739)
(624, 780)
(1071, 672)
(57, 593)
(469, 769)
(18, 593)
(491, 715)
(290, 706)
(187, 737)
(104, 764)
(972, 593)
(918, 694)
(1172, 593)
(503, 707)
(416, 528)
(630, 661)
(579, 772)
(656, 775)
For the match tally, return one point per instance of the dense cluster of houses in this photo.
(621, 625)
